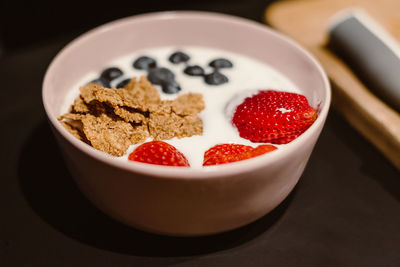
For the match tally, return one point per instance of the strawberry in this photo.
(159, 153)
(273, 117)
(226, 153)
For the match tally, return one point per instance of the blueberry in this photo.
(103, 82)
(170, 87)
(194, 70)
(178, 57)
(144, 63)
(220, 63)
(123, 83)
(110, 74)
(159, 75)
(215, 78)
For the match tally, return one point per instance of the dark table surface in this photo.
(345, 211)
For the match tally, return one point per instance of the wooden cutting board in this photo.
(306, 21)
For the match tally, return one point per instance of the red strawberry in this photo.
(159, 153)
(273, 117)
(226, 153)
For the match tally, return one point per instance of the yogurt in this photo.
(246, 77)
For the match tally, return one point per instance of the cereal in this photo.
(73, 130)
(143, 91)
(188, 104)
(164, 126)
(130, 115)
(111, 136)
(79, 106)
(72, 122)
(112, 119)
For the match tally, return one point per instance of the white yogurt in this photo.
(247, 76)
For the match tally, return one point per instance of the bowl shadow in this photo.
(49, 189)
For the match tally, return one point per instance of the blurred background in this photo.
(26, 23)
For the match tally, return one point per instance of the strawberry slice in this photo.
(159, 153)
(273, 117)
(226, 153)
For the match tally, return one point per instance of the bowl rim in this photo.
(177, 173)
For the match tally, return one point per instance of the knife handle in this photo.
(370, 51)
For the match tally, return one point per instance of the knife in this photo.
(370, 51)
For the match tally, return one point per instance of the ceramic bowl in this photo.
(185, 201)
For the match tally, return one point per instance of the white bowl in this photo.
(185, 201)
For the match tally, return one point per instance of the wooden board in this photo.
(306, 21)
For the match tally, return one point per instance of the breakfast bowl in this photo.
(183, 201)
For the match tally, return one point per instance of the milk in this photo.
(246, 78)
